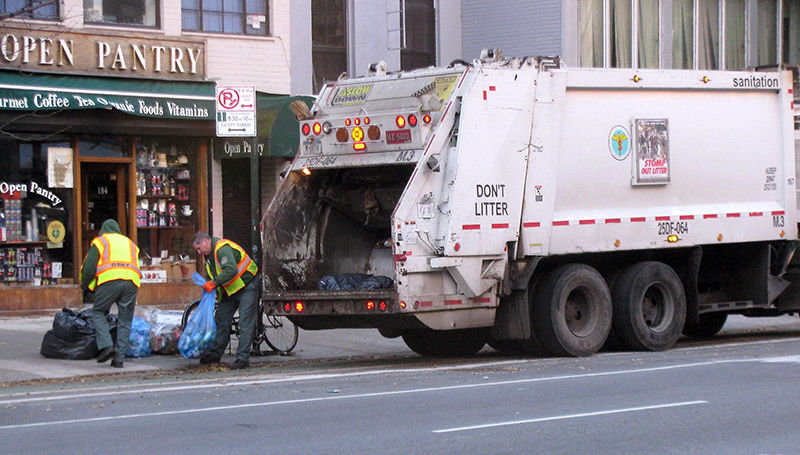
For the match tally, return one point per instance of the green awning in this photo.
(277, 129)
(149, 98)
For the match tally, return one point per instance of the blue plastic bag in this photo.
(201, 330)
(139, 341)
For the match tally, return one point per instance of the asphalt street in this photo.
(736, 397)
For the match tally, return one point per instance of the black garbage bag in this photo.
(354, 281)
(82, 348)
(69, 326)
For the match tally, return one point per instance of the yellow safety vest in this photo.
(245, 265)
(119, 260)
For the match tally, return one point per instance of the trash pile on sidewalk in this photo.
(73, 337)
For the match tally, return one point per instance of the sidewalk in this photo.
(21, 339)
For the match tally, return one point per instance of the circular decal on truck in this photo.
(619, 142)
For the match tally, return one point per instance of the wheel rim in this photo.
(280, 333)
(580, 316)
(657, 308)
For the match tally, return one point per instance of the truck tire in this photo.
(572, 311)
(445, 343)
(710, 324)
(649, 306)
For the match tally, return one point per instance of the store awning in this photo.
(277, 127)
(149, 98)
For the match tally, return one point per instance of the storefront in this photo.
(82, 147)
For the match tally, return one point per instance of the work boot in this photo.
(239, 364)
(116, 363)
(209, 358)
(105, 354)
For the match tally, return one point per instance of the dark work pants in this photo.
(246, 300)
(123, 293)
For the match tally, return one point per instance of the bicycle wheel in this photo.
(280, 333)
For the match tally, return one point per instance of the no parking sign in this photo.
(236, 111)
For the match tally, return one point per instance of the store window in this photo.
(36, 197)
(244, 17)
(167, 200)
(622, 26)
(734, 34)
(329, 46)
(590, 33)
(767, 32)
(682, 34)
(648, 34)
(104, 146)
(121, 12)
(29, 9)
(708, 34)
(420, 35)
(791, 33)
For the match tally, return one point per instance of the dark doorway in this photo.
(104, 196)
(236, 201)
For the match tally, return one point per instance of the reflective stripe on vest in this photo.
(245, 265)
(119, 260)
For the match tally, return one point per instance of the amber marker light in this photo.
(305, 171)
(359, 146)
(373, 133)
(400, 121)
(705, 79)
(317, 128)
(636, 78)
(426, 118)
(299, 307)
(357, 134)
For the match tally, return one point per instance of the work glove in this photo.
(209, 286)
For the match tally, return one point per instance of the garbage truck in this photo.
(539, 208)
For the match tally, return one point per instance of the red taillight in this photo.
(347, 122)
(400, 258)
(306, 129)
(299, 307)
(402, 305)
(357, 121)
(400, 121)
(287, 307)
(359, 146)
(370, 305)
(317, 128)
(383, 306)
(412, 120)
(366, 120)
(426, 118)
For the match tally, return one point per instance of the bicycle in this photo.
(282, 337)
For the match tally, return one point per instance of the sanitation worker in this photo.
(233, 274)
(111, 273)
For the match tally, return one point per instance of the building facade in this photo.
(107, 110)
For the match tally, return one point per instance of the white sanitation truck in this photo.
(536, 207)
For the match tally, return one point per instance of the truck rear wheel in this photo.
(710, 324)
(649, 306)
(445, 343)
(572, 311)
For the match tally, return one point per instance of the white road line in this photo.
(571, 416)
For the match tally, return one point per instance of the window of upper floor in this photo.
(239, 17)
(121, 12)
(687, 34)
(29, 9)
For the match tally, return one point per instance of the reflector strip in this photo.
(756, 213)
(686, 217)
(613, 220)
(471, 227)
(426, 303)
(500, 226)
(586, 222)
(779, 212)
(709, 215)
(732, 215)
(561, 223)
(638, 220)
(532, 224)
(452, 302)
(662, 218)
(482, 300)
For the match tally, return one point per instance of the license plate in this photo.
(312, 148)
(398, 136)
